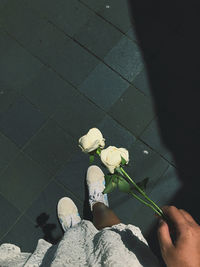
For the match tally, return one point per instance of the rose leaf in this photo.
(107, 178)
(124, 186)
(110, 187)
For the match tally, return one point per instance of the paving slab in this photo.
(43, 211)
(17, 66)
(69, 16)
(114, 11)
(22, 181)
(51, 147)
(133, 110)
(163, 193)
(9, 215)
(48, 91)
(23, 234)
(152, 137)
(115, 134)
(8, 151)
(21, 121)
(78, 115)
(98, 36)
(103, 86)
(125, 58)
(73, 173)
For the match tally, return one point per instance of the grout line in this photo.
(48, 66)
(93, 54)
(114, 26)
(23, 212)
(67, 189)
(51, 68)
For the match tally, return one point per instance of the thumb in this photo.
(164, 237)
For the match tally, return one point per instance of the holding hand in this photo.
(179, 238)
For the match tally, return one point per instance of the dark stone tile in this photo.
(123, 205)
(48, 43)
(17, 66)
(21, 121)
(51, 147)
(77, 116)
(24, 234)
(48, 91)
(131, 33)
(8, 151)
(71, 61)
(133, 110)
(125, 58)
(95, 5)
(102, 82)
(152, 137)
(142, 82)
(115, 134)
(23, 181)
(144, 162)
(72, 175)
(166, 188)
(21, 21)
(3, 3)
(117, 14)
(9, 215)
(43, 211)
(96, 31)
(67, 15)
(7, 96)
(141, 165)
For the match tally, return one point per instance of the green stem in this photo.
(147, 204)
(141, 191)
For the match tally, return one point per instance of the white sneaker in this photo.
(67, 213)
(96, 184)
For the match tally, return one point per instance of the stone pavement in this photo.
(67, 66)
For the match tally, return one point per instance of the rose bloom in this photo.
(111, 157)
(92, 140)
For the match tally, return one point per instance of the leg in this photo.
(103, 216)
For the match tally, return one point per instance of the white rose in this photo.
(92, 140)
(111, 157)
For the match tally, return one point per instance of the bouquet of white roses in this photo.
(115, 159)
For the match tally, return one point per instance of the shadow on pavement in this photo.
(168, 36)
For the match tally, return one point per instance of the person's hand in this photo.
(179, 238)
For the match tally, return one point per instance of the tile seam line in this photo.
(27, 155)
(43, 189)
(93, 54)
(21, 150)
(66, 188)
(51, 68)
(23, 212)
(114, 26)
(53, 178)
(159, 178)
(85, 48)
(81, 93)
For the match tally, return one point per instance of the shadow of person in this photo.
(47, 228)
(170, 44)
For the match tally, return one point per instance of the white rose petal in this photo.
(111, 157)
(92, 140)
